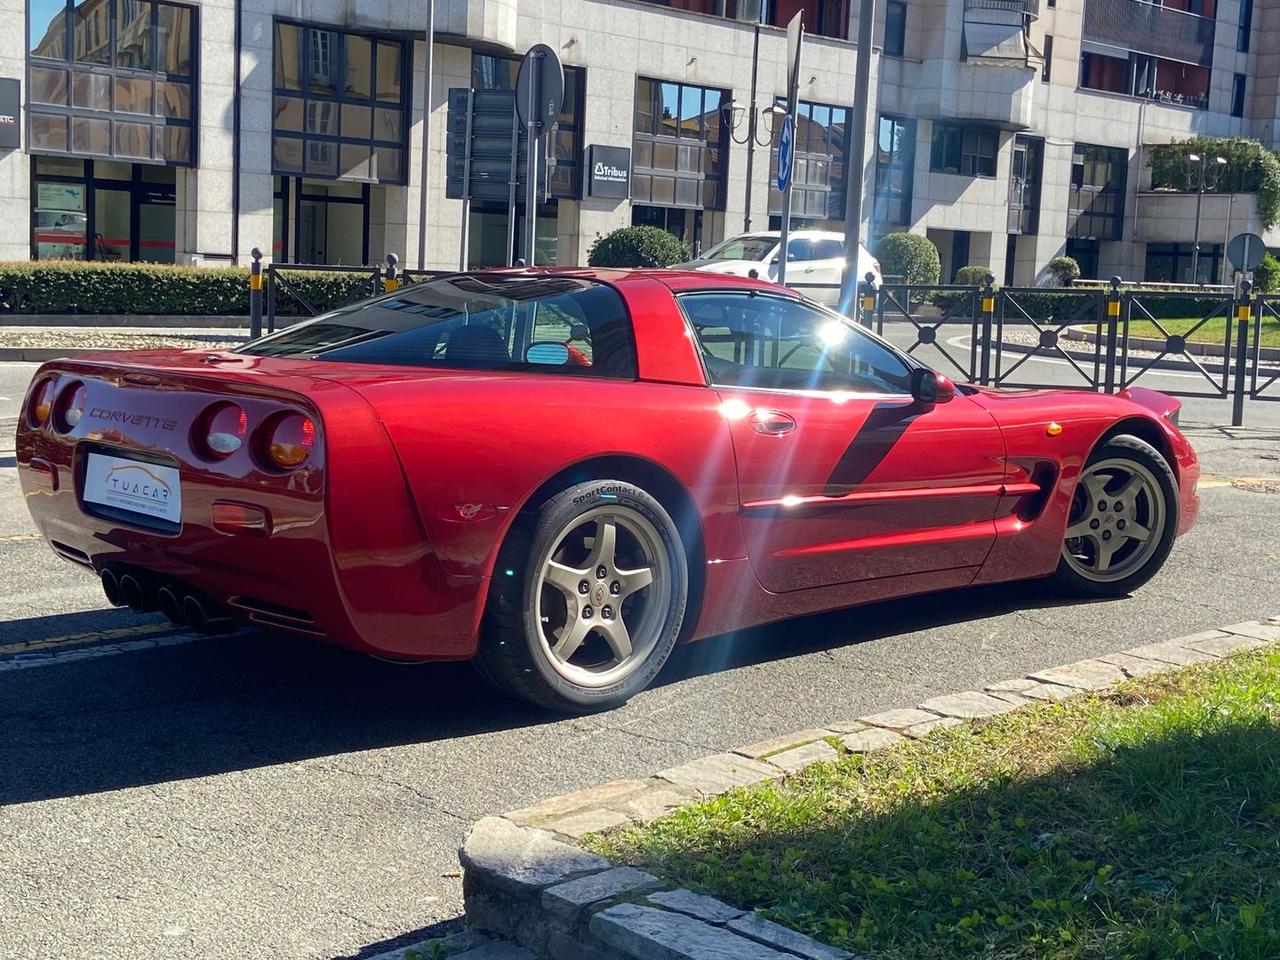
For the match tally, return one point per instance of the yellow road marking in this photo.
(1208, 481)
(81, 639)
(19, 537)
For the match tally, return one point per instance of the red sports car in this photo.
(561, 473)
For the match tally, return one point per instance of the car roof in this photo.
(777, 234)
(679, 281)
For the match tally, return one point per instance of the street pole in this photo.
(1195, 249)
(428, 65)
(856, 160)
(751, 122)
(795, 47)
(530, 177)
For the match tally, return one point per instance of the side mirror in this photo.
(547, 352)
(928, 386)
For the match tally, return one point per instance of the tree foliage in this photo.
(910, 256)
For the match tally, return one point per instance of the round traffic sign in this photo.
(786, 151)
(540, 87)
(1246, 250)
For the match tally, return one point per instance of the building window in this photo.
(1097, 197)
(821, 142)
(1171, 263)
(112, 80)
(1046, 70)
(895, 168)
(1141, 75)
(895, 28)
(826, 18)
(491, 72)
(678, 147)
(1026, 172)
(968, 151)
(1245, 26)
(1237, 95)
(340, 106)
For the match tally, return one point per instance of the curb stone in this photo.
(523, 879)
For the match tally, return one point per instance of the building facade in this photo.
(1008, 131)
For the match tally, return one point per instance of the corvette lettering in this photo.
(133, 419)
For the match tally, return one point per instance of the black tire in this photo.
(1069, 578)
(515, 653)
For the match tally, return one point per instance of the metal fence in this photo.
(1101, 338)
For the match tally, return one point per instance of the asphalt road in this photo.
(248, 796)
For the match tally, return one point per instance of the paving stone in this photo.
(1227, 644)
(1032, 689)
(719, 772)
(1083, 675)
(918, 730)
(784, 938)
(1258, 629)
(847, 726)
(520, 861)
(494, 950)
(553, 808)
(1174, 651)
(777, 744)
(898, 719)
(651, 803)
(578, 825)
(562, 946)
(695, 905)
(647, 933)
(870, 739)
(797, 758)
(969, 705)
(1138, 666)
(566, 901)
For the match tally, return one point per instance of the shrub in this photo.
(1250, 168)
(972, 276)
(910, 256)
(70, 286)
(1266, 276)
(638, 247)
(1064, 270)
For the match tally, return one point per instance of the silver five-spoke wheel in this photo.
(1116, 520)
(603, 595)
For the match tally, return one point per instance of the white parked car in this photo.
(813, 257)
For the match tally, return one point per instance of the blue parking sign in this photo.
(786, 152)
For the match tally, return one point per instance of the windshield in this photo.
(474, 321)
(742, 248)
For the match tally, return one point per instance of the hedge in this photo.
(1058, 306)
(71, 286)
(641, 246)
(909, 255)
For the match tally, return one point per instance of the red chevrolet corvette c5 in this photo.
(561, 473)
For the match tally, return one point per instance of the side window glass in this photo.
(828, 250)
(766, 342)
(800, 249)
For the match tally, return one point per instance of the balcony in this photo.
(1025, 8)
(1150, 29)
(995, 95)
(1166, 216)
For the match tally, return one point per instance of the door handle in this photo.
(771, 423)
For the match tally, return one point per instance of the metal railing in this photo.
(1151, 29)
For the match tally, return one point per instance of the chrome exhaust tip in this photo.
(206, 617)
(171, 606)
(111, 588)
(194, 614)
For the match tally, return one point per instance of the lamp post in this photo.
(733, 118)
(1202, 163)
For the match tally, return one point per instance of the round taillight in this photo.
(70, 408)
(41, 403)
(289, 440)
(222, 430)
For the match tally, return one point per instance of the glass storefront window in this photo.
(102, 210)
(678, 145)
(327, 84)
(91, 58)
(821, 133)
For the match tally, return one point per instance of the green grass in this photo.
(1212, 331)
(1143, 823)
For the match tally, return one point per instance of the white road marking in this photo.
(29, 661)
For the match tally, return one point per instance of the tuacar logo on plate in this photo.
(138, 483)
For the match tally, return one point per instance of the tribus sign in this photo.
(609, 172)
(10, 114)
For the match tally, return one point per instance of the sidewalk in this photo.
(29, 343)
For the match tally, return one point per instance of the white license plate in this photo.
(149, 489)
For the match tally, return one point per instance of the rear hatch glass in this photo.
(487, 322)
